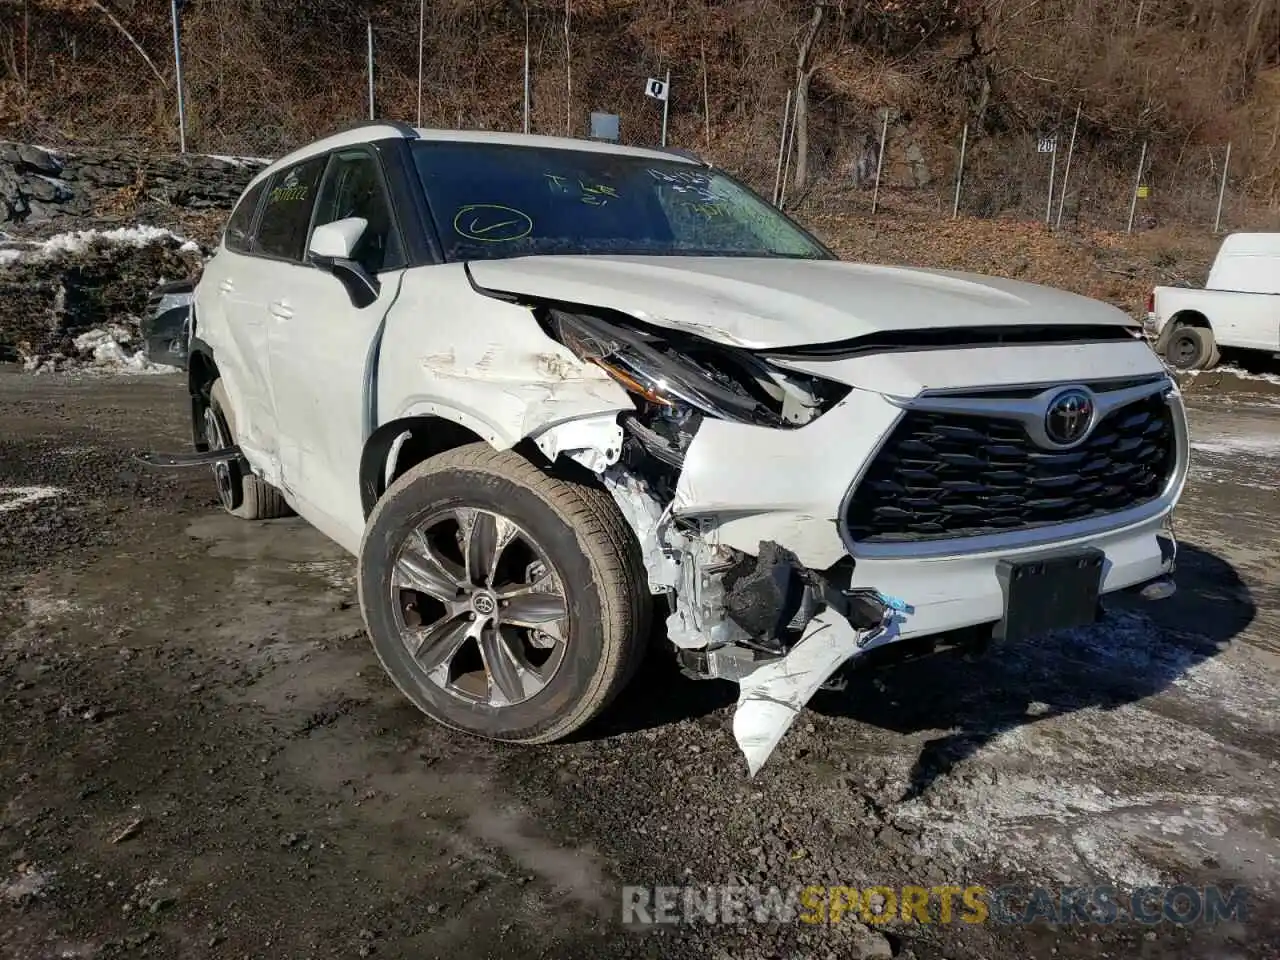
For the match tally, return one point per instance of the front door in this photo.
(320, 344)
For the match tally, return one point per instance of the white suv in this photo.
(537, 385)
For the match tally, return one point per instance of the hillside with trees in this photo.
(1184, 77)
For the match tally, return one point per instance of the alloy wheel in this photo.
(480, 607)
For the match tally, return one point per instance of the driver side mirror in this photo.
(331, 248)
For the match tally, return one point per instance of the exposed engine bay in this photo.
(732, 616)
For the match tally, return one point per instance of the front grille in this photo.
(942, 475)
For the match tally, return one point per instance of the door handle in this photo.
(281, 309)
(226, 286)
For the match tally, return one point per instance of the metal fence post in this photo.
(526, 67)
(1053, 167)
(706, 95)
(1133, 201)
(666, 104)
(1066, 173)
(964, 143)
(568, 74)
(884, 133)
(422, 29)
(786, 163)
(1222, 189)
(782, 147)
(177, 70)
(369, 25)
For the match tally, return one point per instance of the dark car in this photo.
(166, 324)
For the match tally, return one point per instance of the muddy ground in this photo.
(200, 757)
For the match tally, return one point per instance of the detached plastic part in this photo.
(772, 696)
(180, 460)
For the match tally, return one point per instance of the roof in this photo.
(370, 131)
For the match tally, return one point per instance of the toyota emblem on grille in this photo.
(1069, 416)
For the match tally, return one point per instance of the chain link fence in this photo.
(78, 72)
(261, 78)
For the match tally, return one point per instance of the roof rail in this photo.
(404, 129)
(682, 152)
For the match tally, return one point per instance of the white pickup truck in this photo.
(1238, 307)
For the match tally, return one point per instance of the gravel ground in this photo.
(200, 757)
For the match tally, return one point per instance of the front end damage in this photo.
(764, 620)
(796, 523)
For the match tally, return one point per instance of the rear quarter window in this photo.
(238, 236)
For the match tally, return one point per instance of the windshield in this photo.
(493, 201)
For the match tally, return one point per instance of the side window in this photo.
(282, 229)
(353, 188)
(237, 235)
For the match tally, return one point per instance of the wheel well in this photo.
(427, 436)
(201, 372)
(1190, 318)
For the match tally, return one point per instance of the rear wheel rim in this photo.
(480, 608)
(1185, 350)
(217, 439)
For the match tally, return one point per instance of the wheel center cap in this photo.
(483, 604)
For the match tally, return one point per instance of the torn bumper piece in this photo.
(193, 459)
(772, 696)
(780, 631)
(838, 624)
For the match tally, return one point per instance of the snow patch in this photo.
(108, 346)
(1234, 371)
(240, 161)
(11, 498)
(1054, 808)
(111, 349)
(80, 241)
(1232, 446)
(30, 884)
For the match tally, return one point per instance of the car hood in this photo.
(772, 303)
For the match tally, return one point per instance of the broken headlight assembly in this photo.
(677, 379)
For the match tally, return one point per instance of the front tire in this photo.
(1192, 348)
(503, 600)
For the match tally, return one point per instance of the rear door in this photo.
(320, 342)
(229, 321)
(279, 239)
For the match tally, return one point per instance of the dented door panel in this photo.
(232, 322)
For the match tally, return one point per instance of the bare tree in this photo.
(804, 72)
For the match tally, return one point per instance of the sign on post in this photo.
(660, 90)
(1047, 144)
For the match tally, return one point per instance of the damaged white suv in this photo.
(542, 388)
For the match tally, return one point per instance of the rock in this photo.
(868, 944)
(129, 831)
(41, 161)
(47, 189)
(95, 180)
